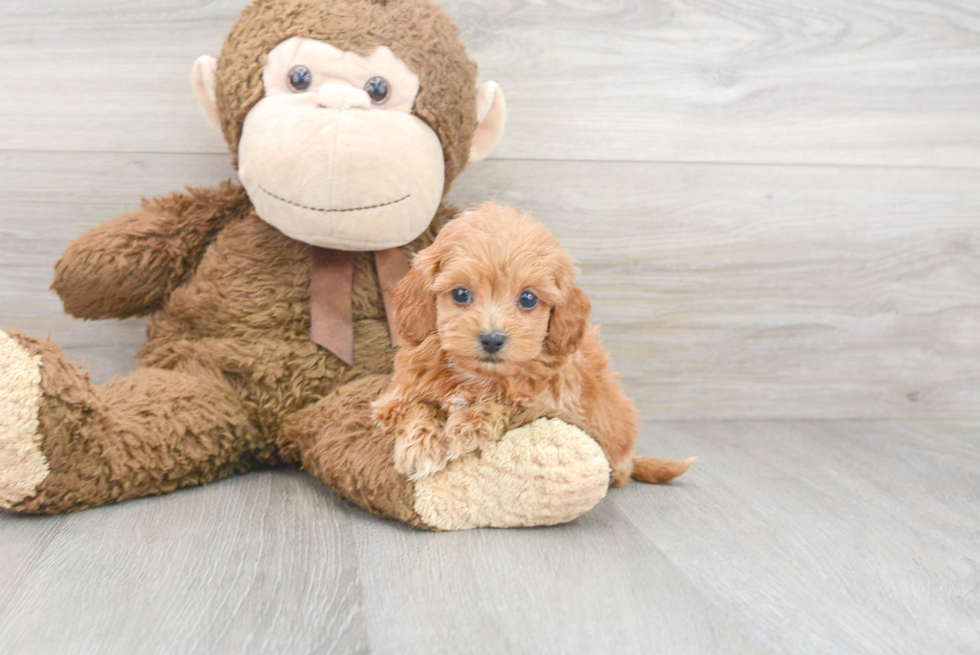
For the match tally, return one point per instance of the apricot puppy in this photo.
(495, 333)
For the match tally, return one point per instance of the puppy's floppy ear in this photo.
(568, 322)
(415, 304)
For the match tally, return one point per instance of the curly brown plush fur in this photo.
(230, 378)
(229, 357)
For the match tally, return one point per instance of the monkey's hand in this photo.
(130, 265)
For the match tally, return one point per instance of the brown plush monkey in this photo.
(268, 335)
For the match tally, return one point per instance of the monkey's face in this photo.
(348, 118)
(333, 156)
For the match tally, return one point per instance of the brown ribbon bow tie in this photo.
(331, 285)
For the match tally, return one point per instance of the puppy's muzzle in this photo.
(492, 342)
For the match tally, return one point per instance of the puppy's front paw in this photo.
(471, 428)
(420, 451)
(385, 411)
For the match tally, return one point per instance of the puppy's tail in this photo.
(658, 471)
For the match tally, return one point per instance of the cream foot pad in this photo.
(22, 464)
(544, 473)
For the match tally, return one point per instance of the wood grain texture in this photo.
(593, 586)
(220, 570)
(765, 292)
(890, 82)
(746, 283)
(787, 537)
(723, 291)
(833, 537)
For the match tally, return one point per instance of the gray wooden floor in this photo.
(789, 537)
(776, 206)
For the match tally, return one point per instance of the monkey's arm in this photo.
(130, 265)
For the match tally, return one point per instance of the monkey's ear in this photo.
(491, 115)
(415, 303)
(204, 78)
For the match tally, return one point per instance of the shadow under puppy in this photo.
(494, 334)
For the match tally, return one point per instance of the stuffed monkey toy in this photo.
(268, 298)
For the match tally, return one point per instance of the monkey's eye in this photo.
(462, 296)
(528, 300)
(300, 78)
(378, 90)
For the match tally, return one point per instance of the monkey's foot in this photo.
(544, 473)
(23, 467)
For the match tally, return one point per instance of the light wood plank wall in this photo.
(776, 205)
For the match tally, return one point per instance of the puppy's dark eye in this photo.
(300, 78)
(528, 300)
(462, 296)
(378, 89)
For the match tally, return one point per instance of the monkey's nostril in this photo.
(492, 342)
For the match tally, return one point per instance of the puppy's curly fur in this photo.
(494, 273)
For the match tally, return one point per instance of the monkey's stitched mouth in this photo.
(333, 211)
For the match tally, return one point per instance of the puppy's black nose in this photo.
(492, 341)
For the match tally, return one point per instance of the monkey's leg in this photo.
(67, 445)
(544, 473)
